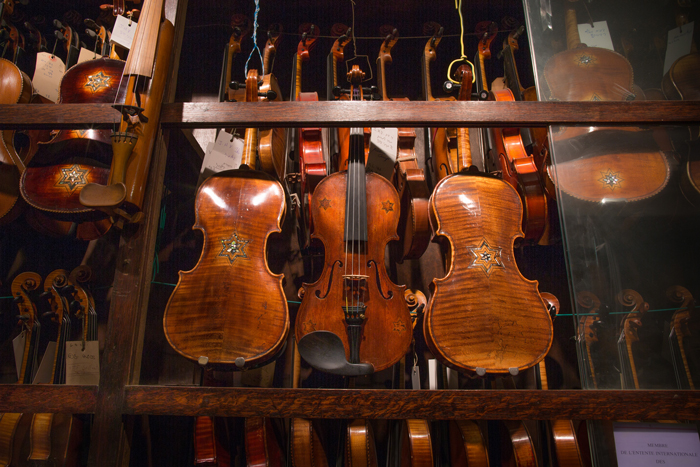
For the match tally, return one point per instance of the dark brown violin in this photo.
(241, 29)
(467, 445)
(261, 447)
(272, 146)
(353, 319)
(14, 427)
(208, 451)
(230, 308)
(408, 178)
(595, 74)
(483, 316)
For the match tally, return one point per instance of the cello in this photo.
(483, 316)
(231, 289)
(408, 178)
(353, 320)
(609, 169)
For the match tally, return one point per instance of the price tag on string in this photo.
(597, 35)
(123, 31)
(87, 54)
(680, 41)
(47, 75)
(83, 364)
(224, 154)
(383, 148)
(43, 374)
(18, 348)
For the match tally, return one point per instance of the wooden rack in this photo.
(119, 393)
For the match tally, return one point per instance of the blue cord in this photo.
(255, 39)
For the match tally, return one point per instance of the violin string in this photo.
(255, 39)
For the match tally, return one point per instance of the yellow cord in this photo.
(463, 58)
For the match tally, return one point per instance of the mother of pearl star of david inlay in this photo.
(234, 247)
(585, 59)
(72, 177)
(611, 179)
(98, 81)
(485, 257)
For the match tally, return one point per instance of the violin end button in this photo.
(513, 371)
(481, 371)
(203, 361)
(240, 362)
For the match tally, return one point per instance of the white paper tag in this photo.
(47, 75)
(224, 154)
(597, 35)
(653, 444)
(43, 374)
(383, 148)
(678, 45)
(123, 32)
(415, 377)
(18, 347)
(432, 373)
(87, 54)
(83, 365)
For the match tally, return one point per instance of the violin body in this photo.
(261, 447)
(483, 316)
(519, 450)
(208, 451)
(360, 449)
(273, 141)
(16, 88)
(387, 332)
(467, 445)
(416, 447)
(230, 306)
(680, 82)
(306, 448)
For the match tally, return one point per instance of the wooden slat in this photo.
(47, 398)
(418, 114)
(403, 404)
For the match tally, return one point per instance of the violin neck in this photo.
(427, 91)
(297, 81)
(380, 78)
(250, 147)
(356, 196)
(573, 39)
(268, 60)
(511, 73)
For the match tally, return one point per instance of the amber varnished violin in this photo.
(608, 169)
(261, 447)
(353, 319)
(339, 137)
(483, 316)
(230, 308)
(629, 334)
(360, 448)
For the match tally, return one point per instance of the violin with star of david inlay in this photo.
(230, 309)
(600, 163)
(483, 316)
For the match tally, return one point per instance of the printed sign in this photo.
(654, 444)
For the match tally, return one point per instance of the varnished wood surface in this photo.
(406, 404)
(416, 446)
(467, 445)
(377, 114)
(483, 315)
(47, 398)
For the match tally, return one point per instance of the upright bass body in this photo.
(230, 308)
(484, 316)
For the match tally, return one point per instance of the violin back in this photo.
(483, 316)
(681, 80)
(231, 306)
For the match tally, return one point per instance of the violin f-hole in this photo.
(389, 295)
(330, 281)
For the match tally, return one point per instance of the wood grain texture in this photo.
(305, 445)
(360, 448)
(517, 447)
(406, 404)
(483, 315)
(261, 447)
(416, 446)
(377, 114)
(386, 333)
(47, 398)
(230, 305)
(467, 445)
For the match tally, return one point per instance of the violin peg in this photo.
(236, 85)
(449, 87)
(269, 95)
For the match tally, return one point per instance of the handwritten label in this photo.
(47, 75)
(383, 147)
(224, 154)
(18, 347)
(43, 374)
(679, 43)
(87, 54)
(597, 35)
(83, 364)
(123, 32)
(654, 444)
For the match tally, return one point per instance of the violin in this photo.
(261, 447)
(595, 74)
(588, 331)
(408, 177)
(71, 42)
(467, 445)
(683, 325)
(353, 310)
(14, 427)
(241, 29)
(208, 451)
(487, 31)
(629, 333)
(504, 326)
(339, 137)
(312, 163)
(518, 165)
(231, 289)
(360, 448)
(272, 146)
(444, 151)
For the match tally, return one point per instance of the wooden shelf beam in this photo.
(377, 114)
(47, 398)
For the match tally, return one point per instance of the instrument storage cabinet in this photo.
(121, 399)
